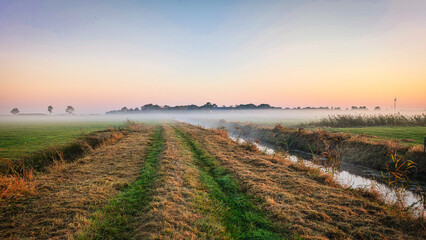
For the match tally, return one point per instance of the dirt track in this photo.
(205, 186)
(70, 192)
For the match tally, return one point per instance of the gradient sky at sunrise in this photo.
(103, 55)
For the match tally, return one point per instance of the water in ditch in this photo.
(351, 180)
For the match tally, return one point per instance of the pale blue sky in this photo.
(264, 51)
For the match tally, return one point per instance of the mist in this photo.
(290, 118)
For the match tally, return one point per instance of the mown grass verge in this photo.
(114, 220)
(242, 219)
(68, 152)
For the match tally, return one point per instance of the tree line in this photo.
(70, 110)
(208, 106)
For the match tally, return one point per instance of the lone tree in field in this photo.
(70, 110)
(49, 109)
(14, 111)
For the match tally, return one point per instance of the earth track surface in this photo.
(187, 182)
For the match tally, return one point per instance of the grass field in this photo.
(179, 181)
(17, 139)
(407, 135)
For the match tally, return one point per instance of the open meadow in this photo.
(174, 180)
(406, 135)
(203, 119)
(23, 138)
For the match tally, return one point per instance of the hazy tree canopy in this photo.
(49, 109)
(14, 111)
(208, 106)
(70, 110)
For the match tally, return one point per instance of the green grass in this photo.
(239, 214)
(416, 134)
(114, 220)
(18, 139)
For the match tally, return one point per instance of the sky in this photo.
(103, 55)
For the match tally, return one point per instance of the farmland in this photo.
(23, 138)
(406, 135)
(179, 181)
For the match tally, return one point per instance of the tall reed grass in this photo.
(347, 120)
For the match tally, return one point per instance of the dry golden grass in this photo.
(17, 184)
(301, 200)
(69, 193)
(175, 209)
(171, 212)
(60, 202)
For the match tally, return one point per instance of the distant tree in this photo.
(150, 107)
(354, 107)
(70, 110)
(14, 111)
(246, 106)
(377, 108)
(264, 106)
(49, 109)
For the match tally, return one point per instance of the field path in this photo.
(178, 206)
(300, 199)
(69, 193)
(180, 194)
(179, 181)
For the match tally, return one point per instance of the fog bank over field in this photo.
(285, 117)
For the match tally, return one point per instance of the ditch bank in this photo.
(77, 148)
(350, 148)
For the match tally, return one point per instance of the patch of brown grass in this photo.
(17, 184)
(299, 199)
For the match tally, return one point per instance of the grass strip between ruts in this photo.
(240, 216)
(113, 221)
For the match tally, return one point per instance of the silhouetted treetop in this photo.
(14, 111)
(192, 107)
(70, 110)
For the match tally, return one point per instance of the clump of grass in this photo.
(250, 146)
(17, 183)
(330, 153)
(398, 177)
(221, 131)
(112, 222)
(241, 218)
